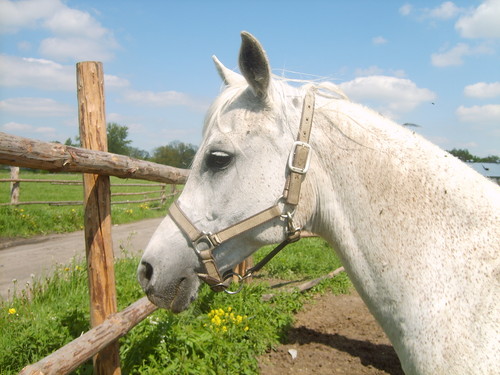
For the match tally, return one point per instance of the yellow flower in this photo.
(245, 329)
(216, 320)
(12, 311)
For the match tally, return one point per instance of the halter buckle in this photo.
(208, 239)
(304, 165)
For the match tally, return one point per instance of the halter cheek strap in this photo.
(204, 243)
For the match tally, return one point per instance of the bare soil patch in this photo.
(333, 335)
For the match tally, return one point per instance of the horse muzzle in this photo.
(173, 293)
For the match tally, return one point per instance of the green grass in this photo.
(38, 219)
(205, 339)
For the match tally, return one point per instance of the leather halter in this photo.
(204, 243)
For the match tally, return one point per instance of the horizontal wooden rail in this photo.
(72, 355)
(137, 193)
(56, 157)
(77, 203)
(70, 182)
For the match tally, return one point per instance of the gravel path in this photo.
(20, 259)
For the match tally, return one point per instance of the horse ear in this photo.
(228, 76)
(254, 64)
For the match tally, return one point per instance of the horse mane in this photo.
(282, 88)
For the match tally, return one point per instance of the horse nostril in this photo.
(146, 272)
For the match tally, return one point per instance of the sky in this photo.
(431, 63)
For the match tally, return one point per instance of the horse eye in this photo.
(218, 160)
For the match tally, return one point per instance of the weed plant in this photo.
(218, 334)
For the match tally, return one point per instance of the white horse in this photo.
(417, 231)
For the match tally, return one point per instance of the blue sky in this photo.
(431, 63)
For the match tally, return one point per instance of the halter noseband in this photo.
(204, 243)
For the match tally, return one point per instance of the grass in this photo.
(218, 334)
(39, 219)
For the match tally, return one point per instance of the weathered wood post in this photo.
(14, 185)
(97, 208)
(163, 195)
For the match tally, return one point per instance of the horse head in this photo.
(238, 175)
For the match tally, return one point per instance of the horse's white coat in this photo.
(416, 229)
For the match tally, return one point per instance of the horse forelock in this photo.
(284, 97)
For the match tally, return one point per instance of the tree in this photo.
(117, 139)
(176, 154)
(466, 156)
(491, 159)
(463, 154)
(137, 153)
(76, 143)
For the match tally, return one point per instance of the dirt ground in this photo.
(333, 335)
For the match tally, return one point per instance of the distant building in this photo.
(490, 170)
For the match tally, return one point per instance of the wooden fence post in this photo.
(163, 195)
(14, 185)
(97, 207)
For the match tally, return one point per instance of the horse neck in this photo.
(386, 200)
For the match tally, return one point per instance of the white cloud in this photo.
(111, 81)
(379, 40)
(455, 55)
(74, 34)
(483, 90)
(25, 14)
(27, 130)
(480, 114)
(67, 21)
(37, 73)
(45, 74)
(374, 70)
(405, 10)
(36, 107)
(76, 48)
(15, 127)
(445, 11)
(45, 130)
(482, 22)
(164, 99)
(390, 95)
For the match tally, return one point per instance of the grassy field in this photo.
(30, 220)
(218, 334)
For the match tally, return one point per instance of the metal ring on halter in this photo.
(226, 290)
(288, 213)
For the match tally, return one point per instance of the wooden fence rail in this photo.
(55, 157)
(69, 357)
(15, 192)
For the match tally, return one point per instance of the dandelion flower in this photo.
(12, 311)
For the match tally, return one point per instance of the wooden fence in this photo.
(97, 165)
(15, 191)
